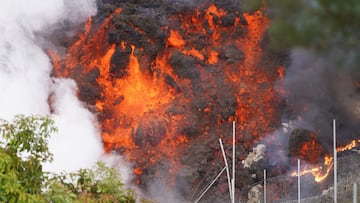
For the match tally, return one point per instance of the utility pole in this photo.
(264, 185)
(335, 162)
(233, 166)
(299, 187)
(355, 193)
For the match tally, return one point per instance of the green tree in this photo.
(315, 24)
(23, 149)
(100, 184)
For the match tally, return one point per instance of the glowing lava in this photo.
(207, 73)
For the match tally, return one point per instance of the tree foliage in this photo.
(315, 24)
(100, 184)
(23, 149)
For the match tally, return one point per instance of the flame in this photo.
(351, 145)
(143, 110)
(321, 172)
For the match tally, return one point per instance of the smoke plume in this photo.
(26, 84)
(319, 89)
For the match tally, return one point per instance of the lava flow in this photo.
(156, 87)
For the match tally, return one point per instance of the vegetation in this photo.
(315, 24)
(23, 149)
(23, 146)
(101, 184)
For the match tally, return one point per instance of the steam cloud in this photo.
(26, 84)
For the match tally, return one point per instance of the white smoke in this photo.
(77, 144)
(26, 84)
(123, 166)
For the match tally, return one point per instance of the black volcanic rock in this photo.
(89, 89)
(228, 20)
(149, 133)
(119, 63)
(233, 54)
(184, 66)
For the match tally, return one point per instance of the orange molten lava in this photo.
(175, 39)
(142, 113)
(321, 172)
